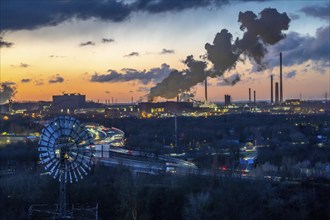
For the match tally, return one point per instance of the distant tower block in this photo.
(249, 95)
(281, 82)
(271, 90)
(254, 97)
(227, 100)
(276, 93)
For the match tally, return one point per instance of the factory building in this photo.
(68, 102)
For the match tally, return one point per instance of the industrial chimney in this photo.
(271, 90)
(254, 97)
(205, 89)
(249, 95)
(276, 93)
(10, 105)
(281, 82)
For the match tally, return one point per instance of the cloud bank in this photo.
(297, 49)
(132, 54)
(14, 13)
(56, 79)
(317, 11)
(88, 43)
(145, 77)
(25, 80)
(6, 44)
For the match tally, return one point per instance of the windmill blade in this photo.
(51, 163)
(54, 168)
(81, 177)
(65, 148)
(74, 173)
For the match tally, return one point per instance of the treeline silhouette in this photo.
(122, 194)
(290, 143)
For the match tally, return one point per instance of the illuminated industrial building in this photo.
(158, 108)
(68, 102)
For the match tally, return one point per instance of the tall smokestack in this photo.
(249, 95)
(205, 89)
(271, 90)
(281, 82)
(254, 97)
(175, 131)
(276, 93)
(10, 105)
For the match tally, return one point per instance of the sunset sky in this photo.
(121, 49)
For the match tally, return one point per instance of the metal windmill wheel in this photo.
(65, 148)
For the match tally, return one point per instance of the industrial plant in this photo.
(185, 105)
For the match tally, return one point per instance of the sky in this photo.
(157, 49)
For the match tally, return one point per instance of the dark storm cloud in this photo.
(107, 40)
(7, 91)
(5, 43)
(259, 32)
(157, 6)
(132, 54)
(88, 43)
(291, 74)
(25, 80)
(298, 48)
(166, 51)
(153, 75)
(56, 79)
(18, 15)
(317, 11)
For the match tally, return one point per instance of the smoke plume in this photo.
(6, 92)
(180, 81)
(259, 32)
(230, 81)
